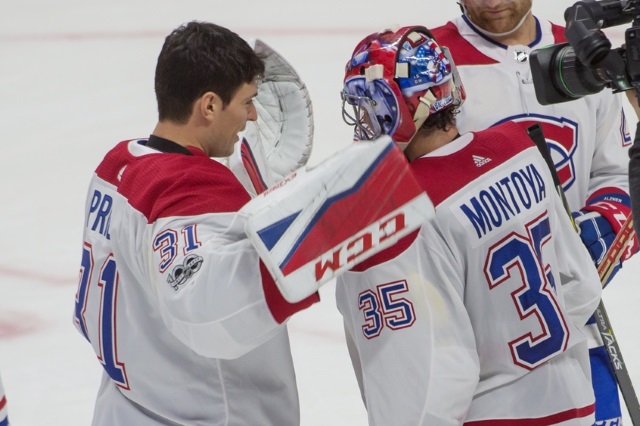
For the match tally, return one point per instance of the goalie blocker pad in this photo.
(320, 222)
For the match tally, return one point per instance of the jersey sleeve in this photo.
(634, 177)
(214, 294)
(581, 288)
(608, 173)
(410, 338)
(206, 279)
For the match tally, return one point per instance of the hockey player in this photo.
(634, 162)
(476, 318)
(182, 315)
(490, 43)
(4, 415)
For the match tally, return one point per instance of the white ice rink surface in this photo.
(75, 78)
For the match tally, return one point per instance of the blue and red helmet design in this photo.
(394, 80)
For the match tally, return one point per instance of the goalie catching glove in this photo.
(280, 141)
(317, 223)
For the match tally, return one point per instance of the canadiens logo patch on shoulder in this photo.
(182, 273)
(480, 161)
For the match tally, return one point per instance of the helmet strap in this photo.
(423, 109)
(458, 89)
(420, 116)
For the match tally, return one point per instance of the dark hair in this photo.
(442, 120)
(201, 57)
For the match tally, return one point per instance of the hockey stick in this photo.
(612, 256)
(617, 362)
(536, 135)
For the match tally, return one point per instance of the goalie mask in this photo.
(394, 81)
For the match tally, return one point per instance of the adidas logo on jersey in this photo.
(480, 161)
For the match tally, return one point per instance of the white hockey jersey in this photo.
(181, 313)
(588, 137)
(476, 318)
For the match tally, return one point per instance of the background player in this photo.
(588, 137)
(634, 162)
(4, 415)
(476, 317)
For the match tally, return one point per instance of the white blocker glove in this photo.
(280, 141)
(318, 223)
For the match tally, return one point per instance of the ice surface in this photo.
(77, 77)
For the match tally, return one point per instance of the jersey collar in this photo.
(504, 46)
(165, 145)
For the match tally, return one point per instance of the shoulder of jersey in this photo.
(443, 176)
(558, 33)
(462, 51)
(160, 184)
(465, 53)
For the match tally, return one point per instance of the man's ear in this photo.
(209, 104)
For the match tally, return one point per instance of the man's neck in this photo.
(179, 133)
(425, 142)
(525, 35)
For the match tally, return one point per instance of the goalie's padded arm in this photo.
(278, 305)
